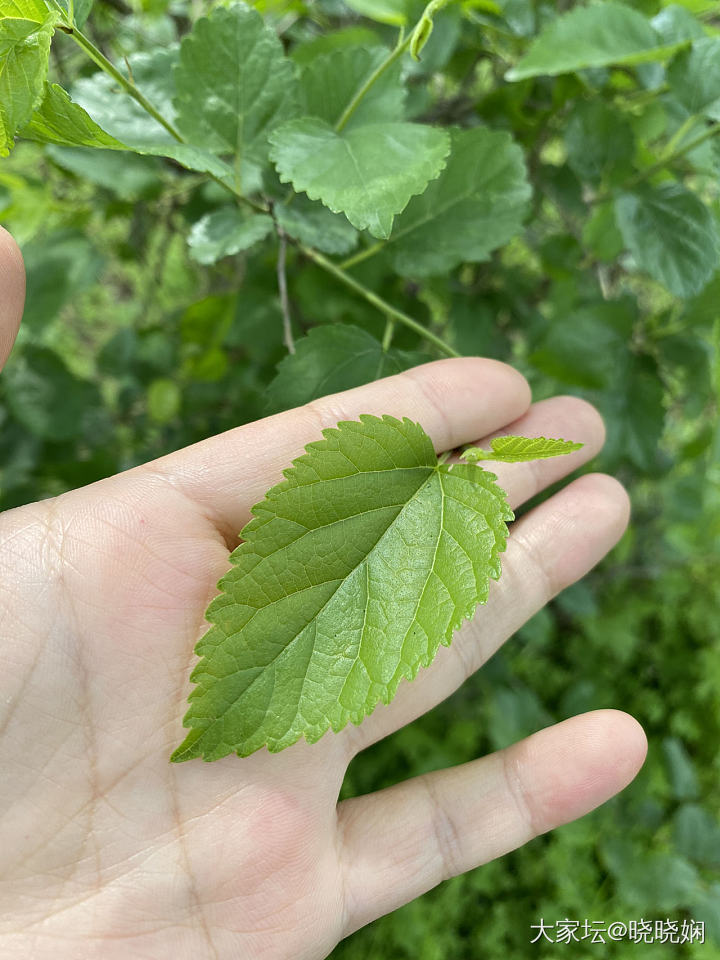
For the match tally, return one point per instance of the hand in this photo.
(109, 851)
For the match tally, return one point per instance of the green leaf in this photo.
(318, 45)
(316, 226)
(367, 172)
(394, 12)
(116, 111)
(333, 358)
(26, 29)
(126, 121)
(477, 204)
(126, 175)
(635, 416)
(681, 769)
(671, 234)
(697, 835)
(675, 23)
(520, 449)
(599, 142)
(226, 232)
(330, 82)
(233, 83)
(164, 400)
(353, 571)
(599, 35)
(81, 10)
(600, 233)
(694, 77)
(58, 120)
(587, 347)
(46, 397)
(60, 264)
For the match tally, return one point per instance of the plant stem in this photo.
(400, 48)
(679, 135)
(691, 145)
(382, 305)
(362, 255)
(388, 334)
(282, 288)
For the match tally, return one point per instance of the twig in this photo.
(282, 287)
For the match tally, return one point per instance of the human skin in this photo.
(109, 851)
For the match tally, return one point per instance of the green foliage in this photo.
(352, 572)
(26, 29)
(672, 235)
(477, 204)
(600, 35)
(226, 232)
(334, 358)
(232, 83)
(694, 77)
(316, 226)
(58, 120)
(579, 243)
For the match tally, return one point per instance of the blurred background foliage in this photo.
(130, 348)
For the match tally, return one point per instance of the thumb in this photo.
(12, 293)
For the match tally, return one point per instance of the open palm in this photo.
(107, 850)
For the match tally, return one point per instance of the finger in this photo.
(454, 400)
(548, 549)
(12, 293)
(402, 841)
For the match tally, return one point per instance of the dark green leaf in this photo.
(477, 204)
(694, 77)
(334, 358)
(233, 83)
(599, 142)
(226, 232)
(697, 835)
(672, 235)
(46, 398)
(599, 35)
(329, 83)
(316, 226)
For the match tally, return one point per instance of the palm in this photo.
(124, 844)
(108, 850)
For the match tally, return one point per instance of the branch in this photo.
(382, 305)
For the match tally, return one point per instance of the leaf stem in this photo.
(363, 255)
(679, 135)
(388, 334)
(282, 288)
(382, 305)
(680, 151)
(400, 48)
